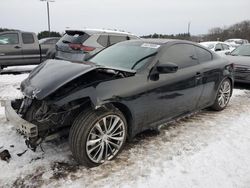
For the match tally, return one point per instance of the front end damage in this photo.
(37, 121)
(51, 103)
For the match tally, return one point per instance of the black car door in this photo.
(177, 93)
(211, 71)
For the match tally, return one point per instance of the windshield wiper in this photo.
(140, 60)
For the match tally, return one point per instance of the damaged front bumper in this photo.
(24, 127)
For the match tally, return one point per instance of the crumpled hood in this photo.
(51, 75)
(239, 60)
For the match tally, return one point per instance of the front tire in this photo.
(223, 95)
(97, 136)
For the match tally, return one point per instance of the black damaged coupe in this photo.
(122, 91)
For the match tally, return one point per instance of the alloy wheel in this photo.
(105, 139)
(224, 93)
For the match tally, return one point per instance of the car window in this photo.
(226, 47)
(126, 55)
(183, 55)
(115, 39)
(218, 47)
(103, 40)
(243, 50)
(9, 38)
(74, 37)
(203, 55)
(27, 38)
(133, 38)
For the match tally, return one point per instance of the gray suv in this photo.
(79, 45)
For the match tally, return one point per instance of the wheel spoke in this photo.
(98, 127)
(106, 150)
(92, 142)
(119, 126)
(113, 144)
(116, 138)
(101, 153)
(90, 151)
(118, 133)
(105, 123)
(114, 124)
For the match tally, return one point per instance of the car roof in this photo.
(98, 31)
(164, 41)
(213, 42)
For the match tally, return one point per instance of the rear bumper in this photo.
(24, 127)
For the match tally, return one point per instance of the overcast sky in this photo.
(136, 16)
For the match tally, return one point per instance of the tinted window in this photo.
(27, 38)
(203, 55)
(182, 54)
(74, 37)
(226, 47)
(103, 40)
(9, 38)
(218, 47)
(116, 39)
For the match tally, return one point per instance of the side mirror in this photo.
(228, 53)
(168, 67)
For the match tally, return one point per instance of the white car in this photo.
(221, 48)
(236, 42)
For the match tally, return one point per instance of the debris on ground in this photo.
(20, 154)
(5, 155)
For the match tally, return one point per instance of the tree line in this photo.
(238, 30)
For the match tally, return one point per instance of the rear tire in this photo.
(97, 136)
(223, 95)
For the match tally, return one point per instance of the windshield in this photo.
(243, 50)
(208, 45)
(128, 55)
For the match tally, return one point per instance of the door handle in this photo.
(17, 47)
(2, 54)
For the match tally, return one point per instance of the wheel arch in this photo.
(127, 114)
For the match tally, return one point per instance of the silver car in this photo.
(79, 45)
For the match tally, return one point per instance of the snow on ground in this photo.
(207, 149)
(18, 69)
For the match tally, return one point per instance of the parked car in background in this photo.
(123, 90)
(219, 47)
(236, 42)
(240, 57)
(49, 42)
(79, 45)
(48, 46)
(20, 48)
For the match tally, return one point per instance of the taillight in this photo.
(81, 47)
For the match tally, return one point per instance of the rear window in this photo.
(74, 37)
(115, 39)
(103, 40)
(28, 38)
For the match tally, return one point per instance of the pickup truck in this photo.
(20, 48)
